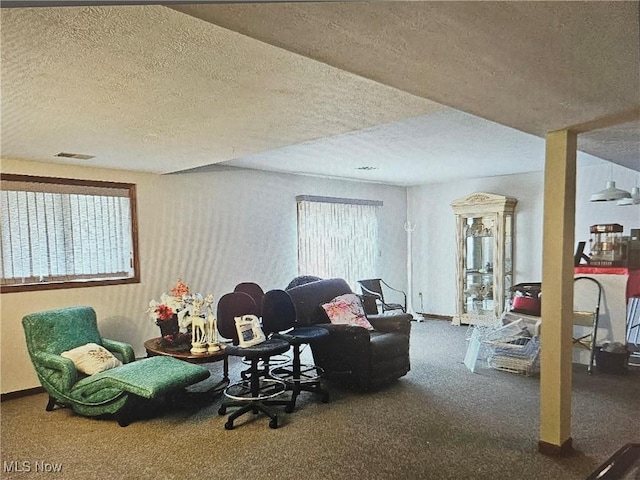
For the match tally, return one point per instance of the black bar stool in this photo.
(279, 320)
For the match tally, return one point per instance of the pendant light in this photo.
(635, 196)
(634, 200)
(610, 193)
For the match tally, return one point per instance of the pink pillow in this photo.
(347, 309)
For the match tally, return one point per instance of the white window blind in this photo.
(53, 232)
(337, 238)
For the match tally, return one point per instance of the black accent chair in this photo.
(374, 288)
(353, 355)
(301, 280)
(256, 393)
(279, 320)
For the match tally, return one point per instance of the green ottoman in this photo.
(148, 378)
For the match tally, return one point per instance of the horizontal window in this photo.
(65, 233)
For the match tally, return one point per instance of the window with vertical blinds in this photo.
(62, 233)
(338, 238)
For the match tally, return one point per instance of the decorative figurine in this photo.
(212, 323)
(198, 326)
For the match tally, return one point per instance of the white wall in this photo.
(219, 228)
(434, 240)
(434, 246)
(213, 230)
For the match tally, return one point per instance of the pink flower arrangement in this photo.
(170, 303)
(164, 312)
(180, 304)
(180, 290)
(178, 301)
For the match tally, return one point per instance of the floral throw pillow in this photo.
(347, 309)
(92, 358)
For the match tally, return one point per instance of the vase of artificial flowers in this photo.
(175, 312)
(166, 315)
(169, 328)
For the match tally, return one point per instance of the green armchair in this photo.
(113, 391)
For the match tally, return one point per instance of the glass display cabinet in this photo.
(484, 233)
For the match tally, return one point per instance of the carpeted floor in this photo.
(439, 422)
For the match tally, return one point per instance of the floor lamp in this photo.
(409, 228)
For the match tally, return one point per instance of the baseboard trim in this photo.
(21, 393)
(564, 450)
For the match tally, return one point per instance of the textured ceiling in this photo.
(320, 88)
(533, 66)
(151, 89)
(441, 147)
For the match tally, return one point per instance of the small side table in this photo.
(154, 348)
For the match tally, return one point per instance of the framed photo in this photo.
(249, 331)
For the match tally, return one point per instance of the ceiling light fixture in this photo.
(610, 193)
(635, 196)
(634, 200)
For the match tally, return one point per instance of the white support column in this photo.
(557, 293)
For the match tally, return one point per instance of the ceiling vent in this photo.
(77, 156)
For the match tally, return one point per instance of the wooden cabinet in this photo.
(484, 236)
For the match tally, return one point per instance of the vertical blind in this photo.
(53, 232)
(337, 238)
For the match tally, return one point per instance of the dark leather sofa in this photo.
(359, 358)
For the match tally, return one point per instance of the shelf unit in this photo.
(484, 236)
